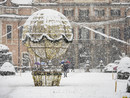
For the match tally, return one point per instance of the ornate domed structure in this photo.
(47, 33)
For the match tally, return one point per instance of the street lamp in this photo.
(87, 63)
(87, 66)
(101, 65)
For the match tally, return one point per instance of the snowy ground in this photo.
(76, 85)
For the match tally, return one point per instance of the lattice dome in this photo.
(47, 33)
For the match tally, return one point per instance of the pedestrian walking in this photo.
(72, 68)
(65, 68)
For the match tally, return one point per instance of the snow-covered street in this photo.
(76, 85)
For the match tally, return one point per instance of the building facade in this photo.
(110, 17)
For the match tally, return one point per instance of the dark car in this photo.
(123, 74)
(4, 73)
(119, 75)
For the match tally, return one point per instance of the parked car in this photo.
(128, 85)
(123, 71)
(111, 67)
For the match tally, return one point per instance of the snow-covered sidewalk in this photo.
(76, 85)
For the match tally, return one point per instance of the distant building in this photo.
(111, 17)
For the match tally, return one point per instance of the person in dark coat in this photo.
(72, 68)
(65, 68)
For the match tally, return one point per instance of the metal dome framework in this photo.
(47, 33)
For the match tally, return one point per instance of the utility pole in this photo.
(19, 45)
(19, 51)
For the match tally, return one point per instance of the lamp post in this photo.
(101, 65)
(87, 66)
(87, 63)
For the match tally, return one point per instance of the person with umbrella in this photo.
(38, 65)
(65, 67)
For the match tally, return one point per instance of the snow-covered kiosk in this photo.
(47, 34)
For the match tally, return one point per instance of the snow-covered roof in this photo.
(3, 2)
(13, 16)
(103, 22)
(3, 47)
(22, 1)
(111, 64)
(122, 3)
(7, 67)
(24, 6)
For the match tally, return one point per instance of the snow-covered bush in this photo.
(123, 71)
(125, 61)
(3, 48)
(5, 55)
(124, 64)
(7, 69)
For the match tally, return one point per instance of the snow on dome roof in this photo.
(47, 29)
(3, 47)
(7, 67)
(22, 1)
(51, 24)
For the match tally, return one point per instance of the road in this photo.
(76, 85)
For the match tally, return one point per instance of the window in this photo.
(127, 33)
(84, 34)
(115, 12)
(98, 36)
(53, 1)
(20, 32)
(9, 31)
(115, 0)
(68, 12)
(115, 32)
(83, 15)
(99, 13)
(79, 34)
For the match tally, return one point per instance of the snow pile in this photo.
(22, 1)
(124, 65)
(7, 67)
(125, 61)
(3, 47)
